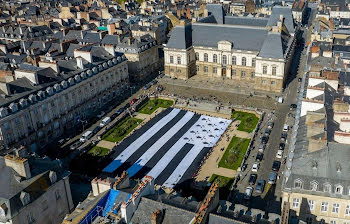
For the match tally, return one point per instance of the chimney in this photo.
(281, 17)
(129, 41)
(111, 28)
(80, 64)
(157, 217)
(205, 13)
(19, 164)
(283, 3)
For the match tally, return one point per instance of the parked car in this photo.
(252, 179)
(248, 193)
(154, 82)
(262, 147)
(260, 186)
(264, 139)
(259, 157)
(101, 114)
(267, 132)
(61, 141)
(244, 167)
(285, 128)
(300, 79)
(255, 167)
(279, 154)
(114, 116)
(276, 165)
(146, 87)
(270, 125)
(282, 145)
(293, 106)
(272, 178)
(105, 121)
(96, 129)
(283, 136)
(75, 145)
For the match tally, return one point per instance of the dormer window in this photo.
(327, 188)
(3, 210)
(338, 189)
(53, 177)
(313, 185)
(298, 184)
(25, 198)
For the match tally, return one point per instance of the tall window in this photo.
(274, 69)
(253, 62)
(347, 209)
(264, 69)
(252, 74)
(179, 60)
(311, 204)
(206, 57)
(327, 188)
(224, 59)
(338, 189)
(206, 69)
(308, 220)
(313, 185)
(171, 59)
(324, 206)
(335, 208)
(197, 68)
(197, 56)
(234, 60)
(233, 72)
(333, 222)
(244, 61)
(296, 202)
(215, 70)
(242, 73)
(215, 58)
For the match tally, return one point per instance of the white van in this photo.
(286, 128)
(105, 121)
(86, 136)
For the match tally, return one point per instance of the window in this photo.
(308, 220)
(178, 71)
(274, 70)
(197, 68)
(253, 62)
(224, 59)
(215, 70)
(313, 186)
(347, 209)
(30, 217)
(57, 194)
(273, 82)
(244, 61)
(327, 188)
(233, 72)
(171, 59)
(264, 69)
(335, 208)
(242, 73)
(197, 56)
(234, 60)
(205, 69)
(324, 206)
(333, 222)
(252, 74)
(311, 205)
(206, 57)
(171, 70)
(215, 58)
(263, 81)
(178, 60)
(296, 202)
(338, 189)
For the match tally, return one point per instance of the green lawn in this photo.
(221, 180)
(98, 151)
(248, 120)
(150, 106)
(121, 130)
(234, 153)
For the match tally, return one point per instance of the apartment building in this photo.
(256, 51)
(44, 102)
(33, 190)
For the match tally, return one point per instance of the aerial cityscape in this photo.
(174, 112)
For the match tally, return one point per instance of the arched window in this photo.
(298, 183)
(253, 62)
(338, 189)
(224, 59)
(313, 185)
(215, 58)
(206, 57)
(234, 60)
(244, 61)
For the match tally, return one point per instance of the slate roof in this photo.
(288, 17)
(272, 47)
(246, 21)
(217, 11)
(181, 37)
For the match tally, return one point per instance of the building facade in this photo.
(259, 52)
